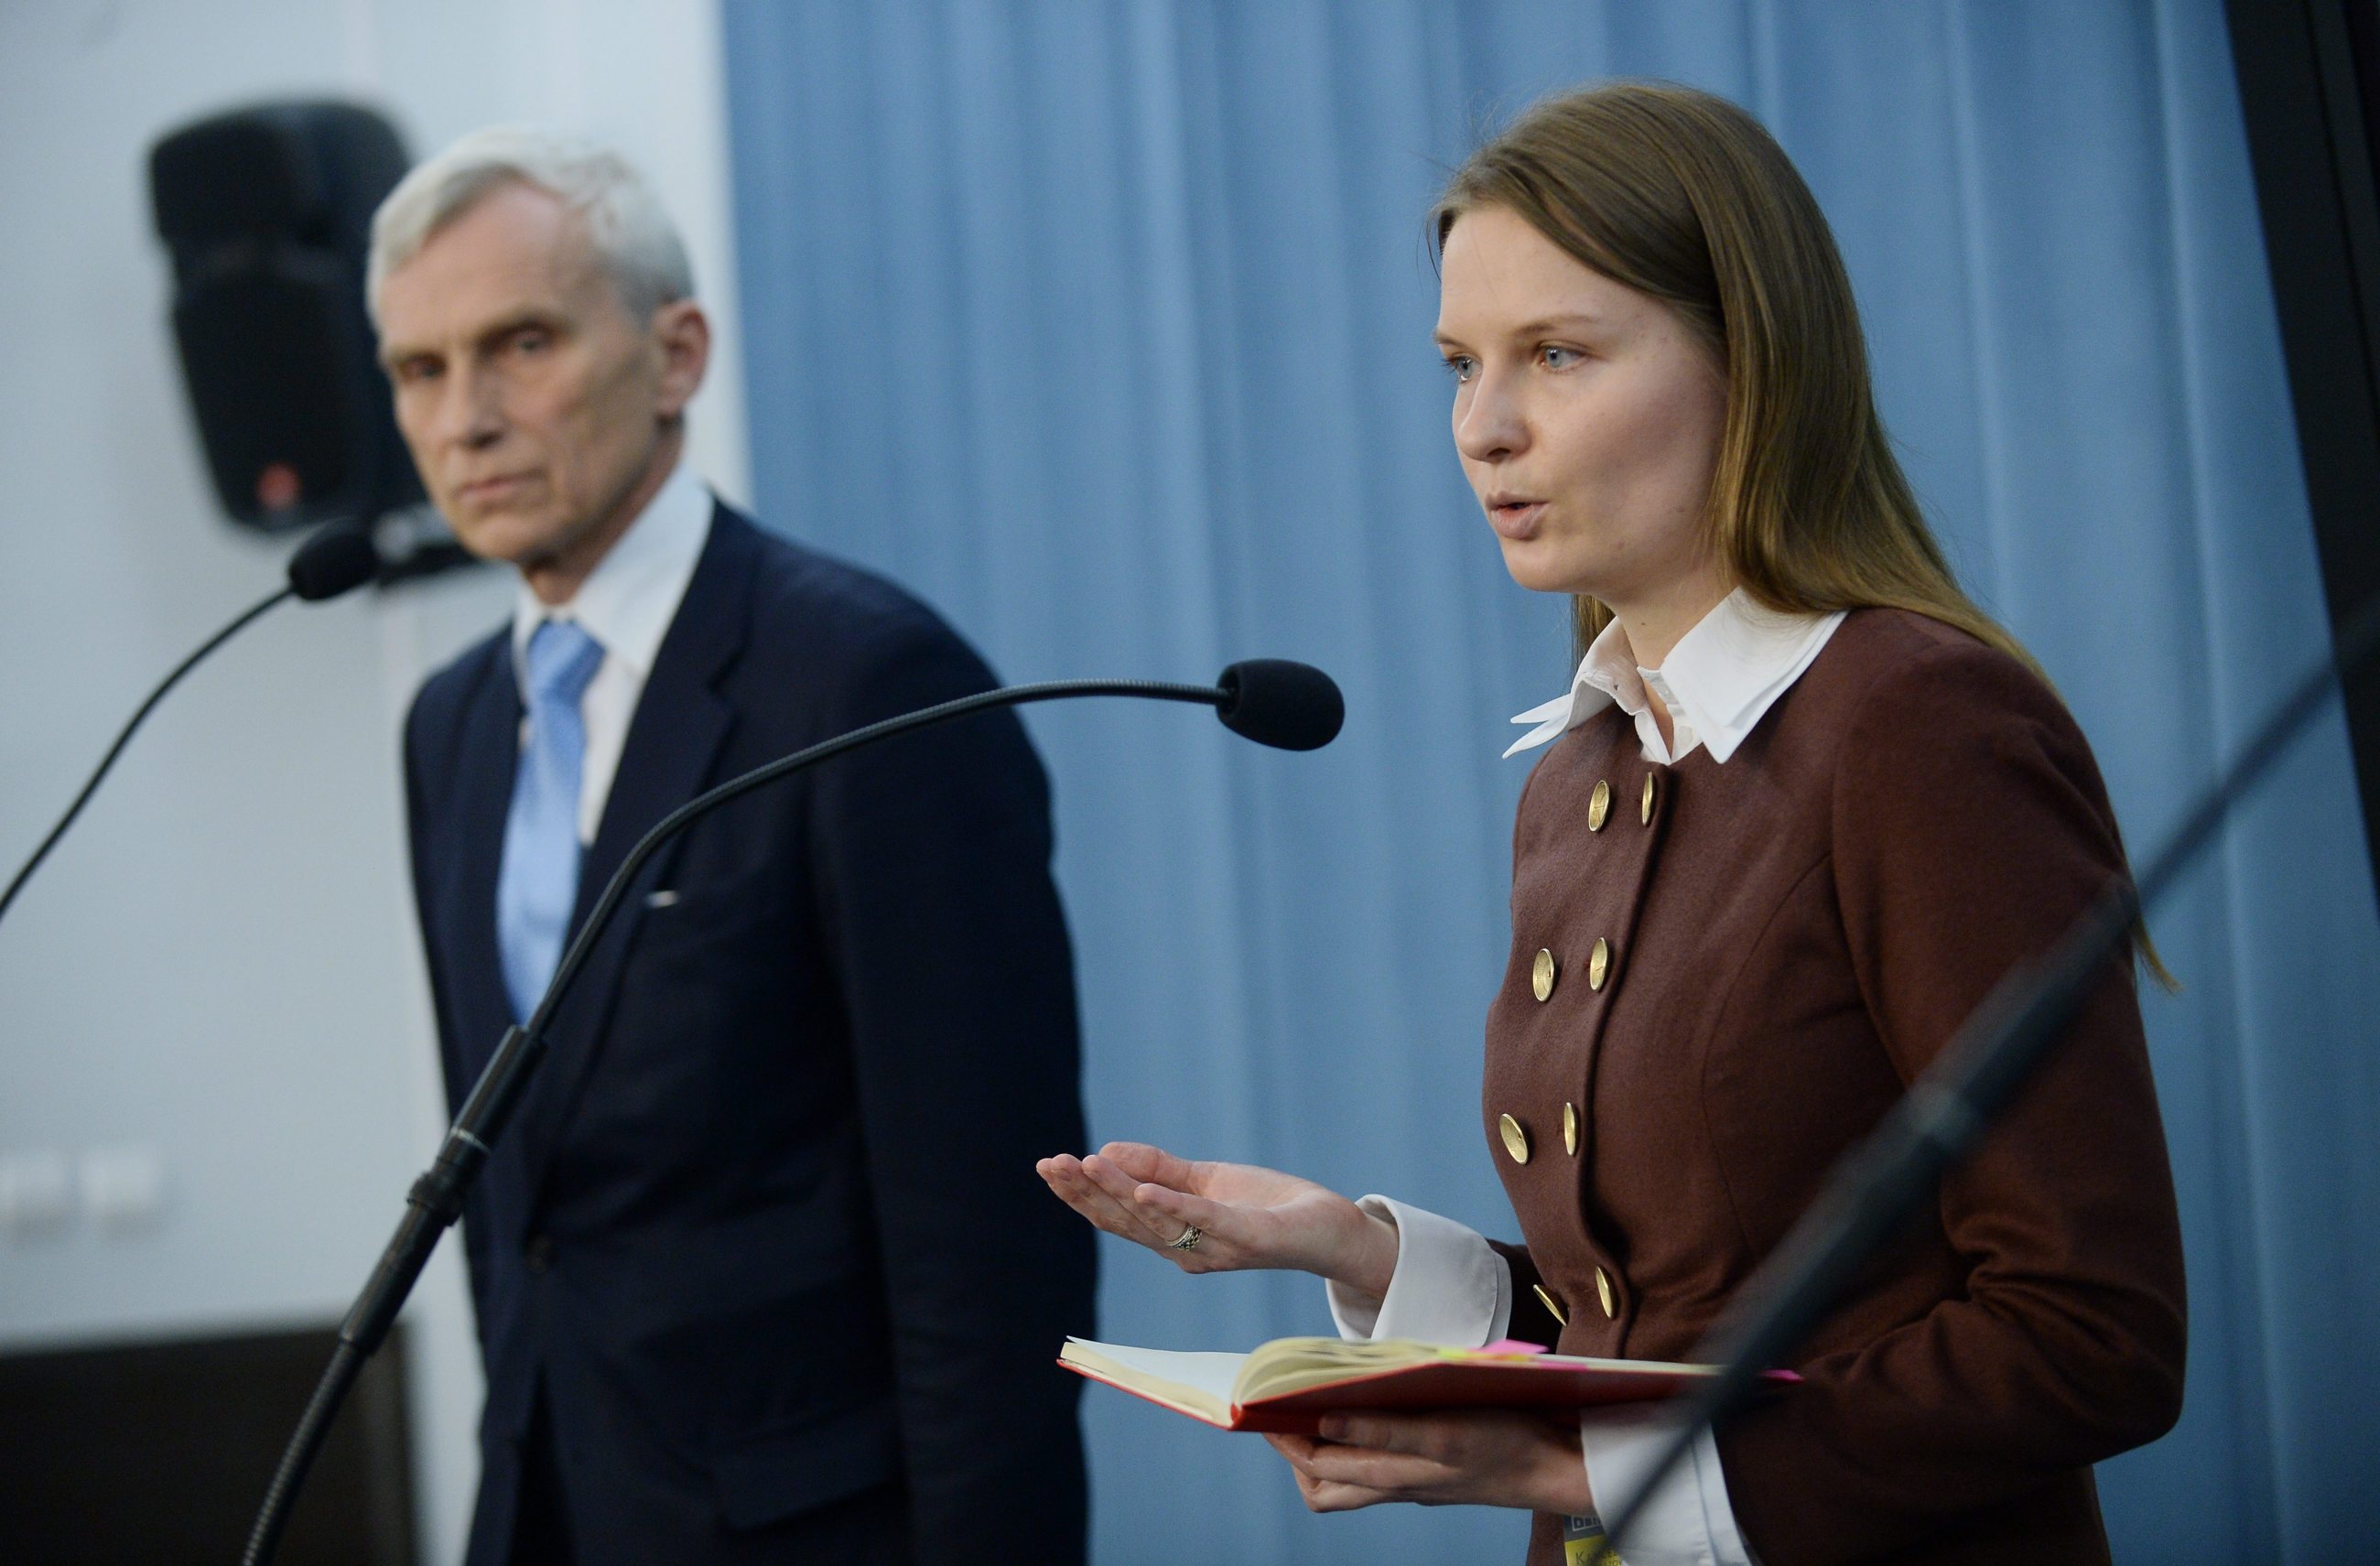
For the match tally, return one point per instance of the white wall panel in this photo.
(216, 975)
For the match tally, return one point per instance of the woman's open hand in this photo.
(1469, 1457)
(1247, 1217)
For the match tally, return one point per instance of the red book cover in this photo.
(1296, 1381)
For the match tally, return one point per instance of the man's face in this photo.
(541, 414)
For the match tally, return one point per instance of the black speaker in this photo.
(267, 212)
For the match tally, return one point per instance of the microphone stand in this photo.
(1882, 1181)
(436, 1199)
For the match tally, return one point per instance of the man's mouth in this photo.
(487, 492)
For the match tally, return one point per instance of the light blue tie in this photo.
(538, 883)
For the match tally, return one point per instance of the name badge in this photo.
(1584, 1544)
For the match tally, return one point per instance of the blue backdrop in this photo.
(1106, 328)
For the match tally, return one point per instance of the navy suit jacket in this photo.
(766, 1231)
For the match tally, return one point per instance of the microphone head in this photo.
(339, 558)
(1277, 702)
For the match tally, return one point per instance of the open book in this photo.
(1289, 1384)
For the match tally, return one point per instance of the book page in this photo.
(1288, 1365)
(1195, 1382)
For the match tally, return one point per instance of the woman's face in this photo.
(1588, 418)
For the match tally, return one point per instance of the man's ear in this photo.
(682, 334)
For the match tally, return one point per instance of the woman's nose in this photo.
(1489, 423)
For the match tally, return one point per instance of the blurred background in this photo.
(1105, 327)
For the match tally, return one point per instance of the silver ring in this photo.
(1189, 1241)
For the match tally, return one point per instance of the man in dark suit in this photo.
(762, 1269)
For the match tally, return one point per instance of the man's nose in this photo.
(1489, 423)
(471, 414)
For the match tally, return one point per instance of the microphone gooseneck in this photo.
(1285, 706)
(338, 558)
(1877, 1184)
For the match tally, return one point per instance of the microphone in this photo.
(1276, 702)
(1288, 706)
(338, 558)
(1876, 1185)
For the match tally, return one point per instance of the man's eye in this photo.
(1462, 367)
(1556, 358)
(531, 341)
(413, 371)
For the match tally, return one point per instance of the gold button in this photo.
(1603, 1291)
(1598, 964)
(1598, 806)
(1570, 1129)
(1647, 811)
(1516, 1141)
(1541, 975)
(1561, 1317)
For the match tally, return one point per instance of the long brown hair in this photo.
(1686, 197)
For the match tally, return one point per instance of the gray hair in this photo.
(634, 238)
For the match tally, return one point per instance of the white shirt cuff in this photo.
(1688, 1522)
(1449, 1286)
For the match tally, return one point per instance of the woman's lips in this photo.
(1515, 519)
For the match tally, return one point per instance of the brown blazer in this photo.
(1788, 940)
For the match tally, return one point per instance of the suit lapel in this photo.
(673, 742)
(488, 754)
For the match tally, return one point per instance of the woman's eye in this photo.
(531, 342)
(1555, 358)
(1462, 367)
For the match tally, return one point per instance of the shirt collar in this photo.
(1718, 681)
(627, 602)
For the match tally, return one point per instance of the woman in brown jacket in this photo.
(1803, 805)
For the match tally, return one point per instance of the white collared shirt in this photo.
(1449, 1286)
(1718, 683)
(626, 605)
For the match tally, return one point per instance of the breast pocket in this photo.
(691, 933)
(713, 1008)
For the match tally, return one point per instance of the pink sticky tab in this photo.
(1512, 1345)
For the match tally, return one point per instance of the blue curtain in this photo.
(1106, 328)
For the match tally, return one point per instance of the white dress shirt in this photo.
(626, 605)
(1449, 1286)
(1718, 683)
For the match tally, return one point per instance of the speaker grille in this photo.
(271, 356)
